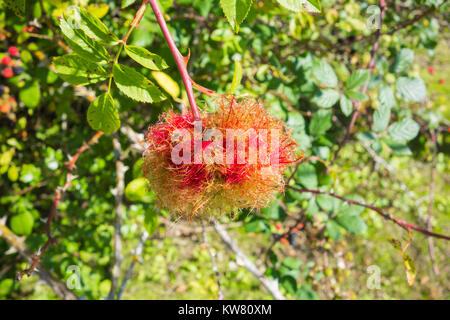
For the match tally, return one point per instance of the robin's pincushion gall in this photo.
(215, 176)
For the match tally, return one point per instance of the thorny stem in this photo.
(364, 88)
(179, 59)
(401, 223)
(58, 194)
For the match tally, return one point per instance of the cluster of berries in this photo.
(7, 102)
(431, 71)
(289, 237)
(9, 64)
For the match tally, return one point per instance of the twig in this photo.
(431, 202)
(408, 23)
(136, 257)
(179, 59)
(58, 288)
(58, 194)
(242, 259)
(407, 226)
(137, 139)
(357, 104)
(213, 261)
(118, 197)
(56, 37)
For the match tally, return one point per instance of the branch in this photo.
(179, 59)
(357, 104)
(136, 257)
(407, 226)
(137, 139)
(213, 261)
(118, 197)
(58, 288)
(408, 23)
(58, 194)
(242, 259)
(56, 37)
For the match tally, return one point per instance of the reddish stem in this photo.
(58, 193)
(177, 56)
(366, 84)
(401, 223)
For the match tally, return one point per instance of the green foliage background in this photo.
(307, 67)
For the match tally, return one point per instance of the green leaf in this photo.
(396, 244)
(102, 114)
(22, 223)
(235, 11)
(94, 27)
(167, 83)
(139, 190)
(135, 85)
(6, 286)
(82, 44)
(381, 118)
(30, 174)
(357, 95)
(333, 230)
(257, 225)
(410, 268)
(357, 79)
(328, 203)
(18, 6)
(312, 6)
(353, 208)
(78, 71)
(146, 58)
(351, 222)
(273, 212)
(404, 130)
(296, 123)
(306, 175)
(320, 122)
(326, 98)
(289, 284)
(30, 95)
(411, 89)
(346, 105)
(324, 73)
(150, 221)
(127, 3)
(292, 263)
(403, 61)
(237, 77)
(399, 148)
(305, 292)
(386, 96)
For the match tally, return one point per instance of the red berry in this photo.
(431, 70)
(6, 60)
(5, 108)
(7, 73)
(13, 51)
(442, 81)
(278, 226)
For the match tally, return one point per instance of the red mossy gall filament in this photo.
(191, 188)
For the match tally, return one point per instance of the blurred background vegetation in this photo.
(290, 60)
